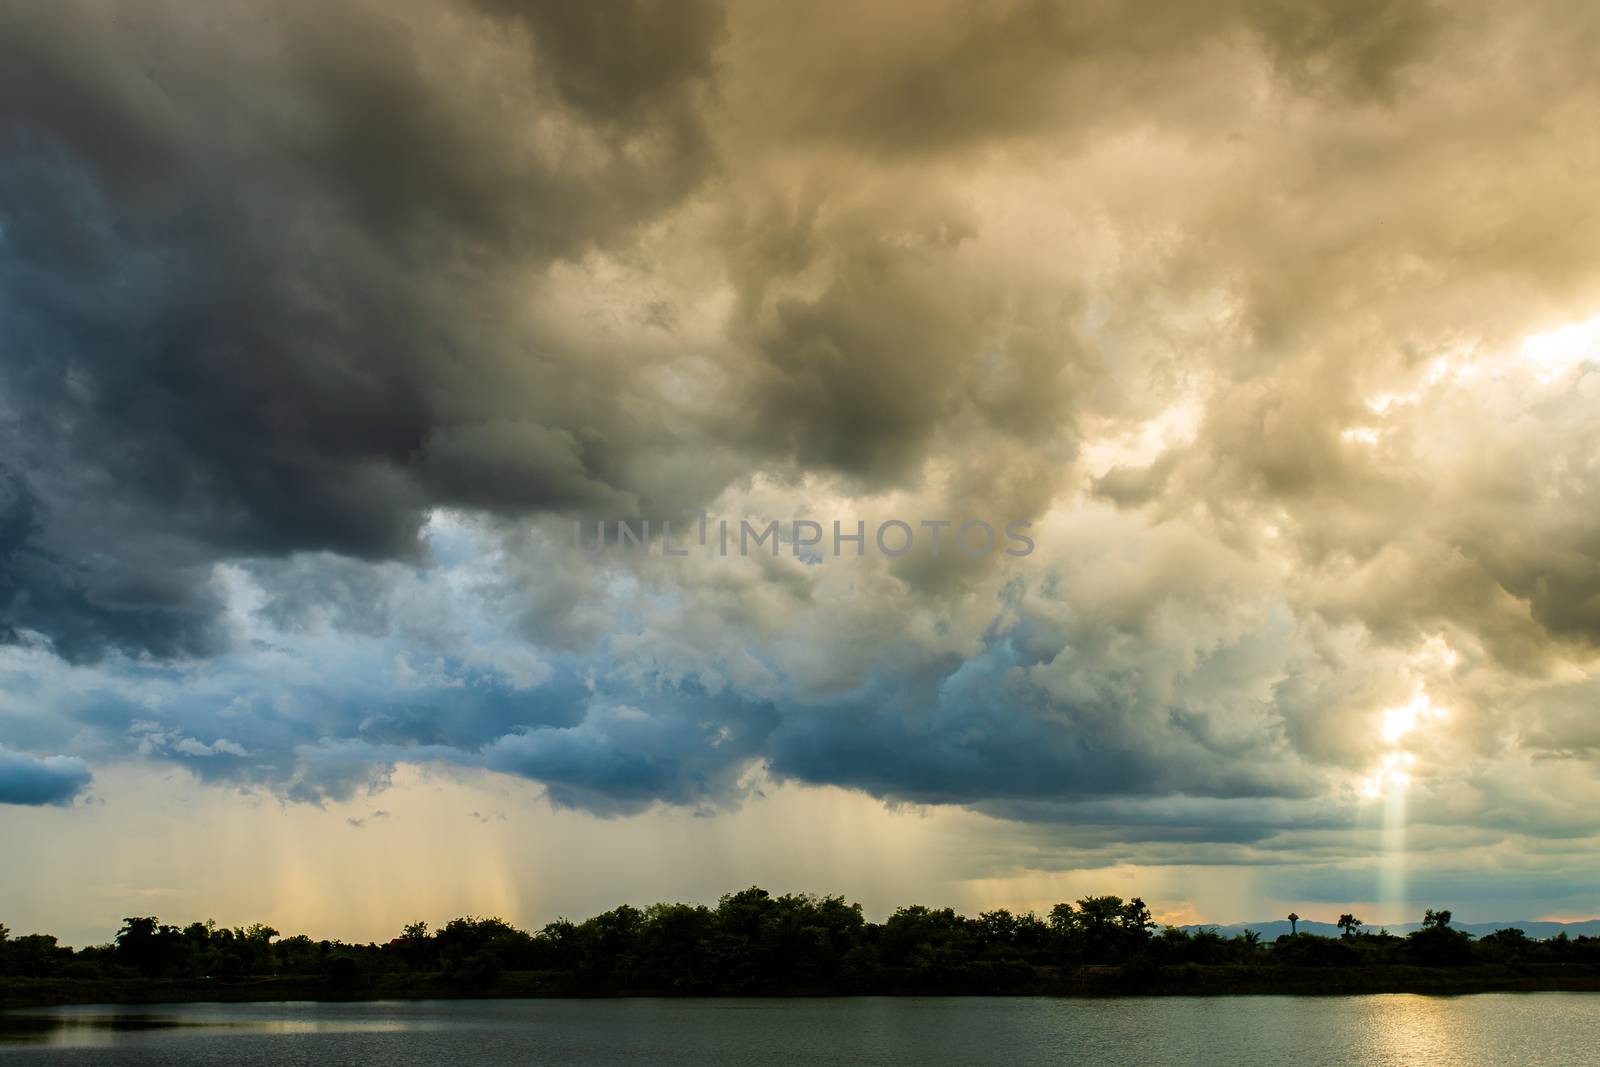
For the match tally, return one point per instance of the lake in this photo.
(1526, 1029)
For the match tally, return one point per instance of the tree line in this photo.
(754, 942)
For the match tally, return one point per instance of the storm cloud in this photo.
(320, 323)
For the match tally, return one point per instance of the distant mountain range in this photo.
(1272, 929)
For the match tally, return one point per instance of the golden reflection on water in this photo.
(1524, 1029)
(1406, 1028)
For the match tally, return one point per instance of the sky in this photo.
(323, 324)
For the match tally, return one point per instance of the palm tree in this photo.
(1294, 923)
(1349, 924)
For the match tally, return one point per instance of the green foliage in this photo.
(1100, 930)
(1436, 945)
(146, 946)
(32, 955)
(753, 942)
(1309, 950)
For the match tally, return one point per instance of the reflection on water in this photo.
(1500, 1028)
(1529, 1030)
(80, 1030)
(1417, 1029)
(101, 1025)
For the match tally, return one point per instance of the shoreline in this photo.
(1086, 982)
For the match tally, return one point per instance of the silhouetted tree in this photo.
(755, 942)
(1437, 945)
(1102, 929)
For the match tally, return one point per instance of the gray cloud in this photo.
(319, 322)
(258, 279)
(33, 780)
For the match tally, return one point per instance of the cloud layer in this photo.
(321, 324)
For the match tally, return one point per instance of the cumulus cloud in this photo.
(322, 323)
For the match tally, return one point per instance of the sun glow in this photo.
(1546, 357)
(1396, 724)
(1390, 781)
(1552, 353)
(1392, 774)
(1400, 721)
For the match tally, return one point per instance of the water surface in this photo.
(1526, 1029)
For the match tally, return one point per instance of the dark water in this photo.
(1529, 1030)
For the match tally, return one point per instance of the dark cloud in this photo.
(1358, 50)
(863, 377)
(690, 748)
(257, 269)
(317, 321)
(86, 608)
(918, 79)
(36, 780)
(995, 727)
(637, 57)
(270, 273)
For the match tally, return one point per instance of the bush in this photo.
(344, 972)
